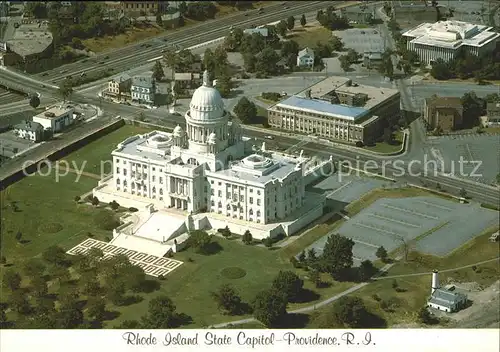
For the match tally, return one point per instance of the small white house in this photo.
(55, 118)
(29, 130)
(443, 299)
(305, 58)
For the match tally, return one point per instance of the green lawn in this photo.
(44, 203)
(99, 151)
(382, 147)
(309, 37)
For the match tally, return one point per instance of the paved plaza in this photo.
(438, 225)
(10, 144)
(151, 264)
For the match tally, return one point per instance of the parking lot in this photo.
(475, 149)
(439, 226)
(362, 40)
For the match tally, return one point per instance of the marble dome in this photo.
(206, 103)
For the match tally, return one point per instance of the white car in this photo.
(269, 137)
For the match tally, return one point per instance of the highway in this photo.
(137, 54)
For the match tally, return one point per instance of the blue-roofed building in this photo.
(337, 108)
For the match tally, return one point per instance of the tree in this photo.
(290, 23)
(303, 21)
(388, 136)
(129, 324)
(159, 20)
(70, 317)
(34, 101)
(55, 255)
(290, 284)
(158, 72)
(473, 107)
(440, 70)
(227, 300)
(336, 43)
(498, 178)
(115, 291)
(246, 111)
(96, 309)
(311, 257)
(347, 312)
(315, 278)
(289, 47)
(66, 88)
(199, 240)
(169, 99)
(337, 255)
(425, 316)
(269, 307)
(114, 205)
(19, 303)
(95, 201)
(182, 8)
(77, 199)
(266, 61)
(381, 253)
(282, 28)
(11, 280)
(302, 257)
(161, 314)
(89, 284)
(366, 270)
(345, 64)
(19, 236)
(463, 193)
(39, 287)
(224, 85)
(247, 237)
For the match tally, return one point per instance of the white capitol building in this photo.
(207, 176)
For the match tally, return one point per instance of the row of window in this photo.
(138, 187)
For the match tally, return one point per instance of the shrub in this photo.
(106, 220)
(133, 210)
(161, 277)
(376, 297)
(359, 144)
(3, 260)
(191, 260)
(295, 262)
(233, 273)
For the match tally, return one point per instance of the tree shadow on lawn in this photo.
(149, 286)
(307, 295)
(131, 299)
(212, 248)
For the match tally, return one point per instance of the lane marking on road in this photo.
(365, 243)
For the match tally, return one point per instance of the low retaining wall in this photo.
(19, 170)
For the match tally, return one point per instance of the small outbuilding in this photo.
(446, 300)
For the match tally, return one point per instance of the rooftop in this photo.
(444, 102)
(452, 34)
(376, 95)
(146, 81)
(446, 298)
(54, 112)
(313, 105)
(258, 168)
(29, 126)
(30, 39)
(306, 51)
(150, 146)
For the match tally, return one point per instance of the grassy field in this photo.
(382, 147)
(100, 150)
(310, 36)
(42, 210)
(132, 35)
(415, 289)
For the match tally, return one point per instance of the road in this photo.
(482, 193)
(137, 54)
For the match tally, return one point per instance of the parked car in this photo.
(269, 137)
